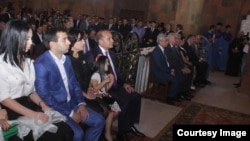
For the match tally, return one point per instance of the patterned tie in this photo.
(86, 46)
(177, 50)
(166, 58)
(111, 69)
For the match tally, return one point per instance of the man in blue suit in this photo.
(161, 69)
(57, 86)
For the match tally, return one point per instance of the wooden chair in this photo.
(157, 91)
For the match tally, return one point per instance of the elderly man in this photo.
(162, 70)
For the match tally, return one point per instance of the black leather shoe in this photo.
(182, 97)
(122, 137)
(135, 132)
(200, 85)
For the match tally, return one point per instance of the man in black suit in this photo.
(127, 98)
(111, 26)
(125, 28)
(181, 70)
(77, 21)
(200, 64)
(161, 69)
(150, 35)
(37, 39)
(84, 23)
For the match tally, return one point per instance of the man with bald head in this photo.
(124, 93)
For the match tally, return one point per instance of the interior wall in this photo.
(225, 11)
(195, 15)
(92, 7)
(132, 5)
(162, 10)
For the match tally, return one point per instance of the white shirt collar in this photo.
(162, 49)
(61, 60)
(103, 50)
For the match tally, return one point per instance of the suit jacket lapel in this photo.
(54, 67)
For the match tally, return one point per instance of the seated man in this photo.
(123, 93)
(57, 86)
(200, 64)
(182, 72)
(161, 69)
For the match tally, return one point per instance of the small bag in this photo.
(10, 132)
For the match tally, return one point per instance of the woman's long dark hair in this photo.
(99, 65)
(73, 36)
(13, 41)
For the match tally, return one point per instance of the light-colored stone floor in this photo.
(221, 93)
(155, 116)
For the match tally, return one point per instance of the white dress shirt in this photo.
(246, 48)
(59, 63)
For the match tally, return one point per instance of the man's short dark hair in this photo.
(50, 35)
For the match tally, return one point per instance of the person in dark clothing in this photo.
(150, 36)
(235, 53)
(123, 93)
(3, 20)
(201, 66)
(82, 71)
(125, 28)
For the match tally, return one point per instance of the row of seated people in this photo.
(59, 83)
(146, 33)
(174, 60)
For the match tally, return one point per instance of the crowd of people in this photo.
(82, 85)
(53, 62)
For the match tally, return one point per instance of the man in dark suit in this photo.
(89, 38)
(168, 28)
(179, 30)
(101, 24)
(111, 25)
(161, 69)
(200, 64)
(125, 28)
(181, 70)
(77, 21)
(150, 35)
(84, 23)
(37, 39)
(127, 98)
(57, 85)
